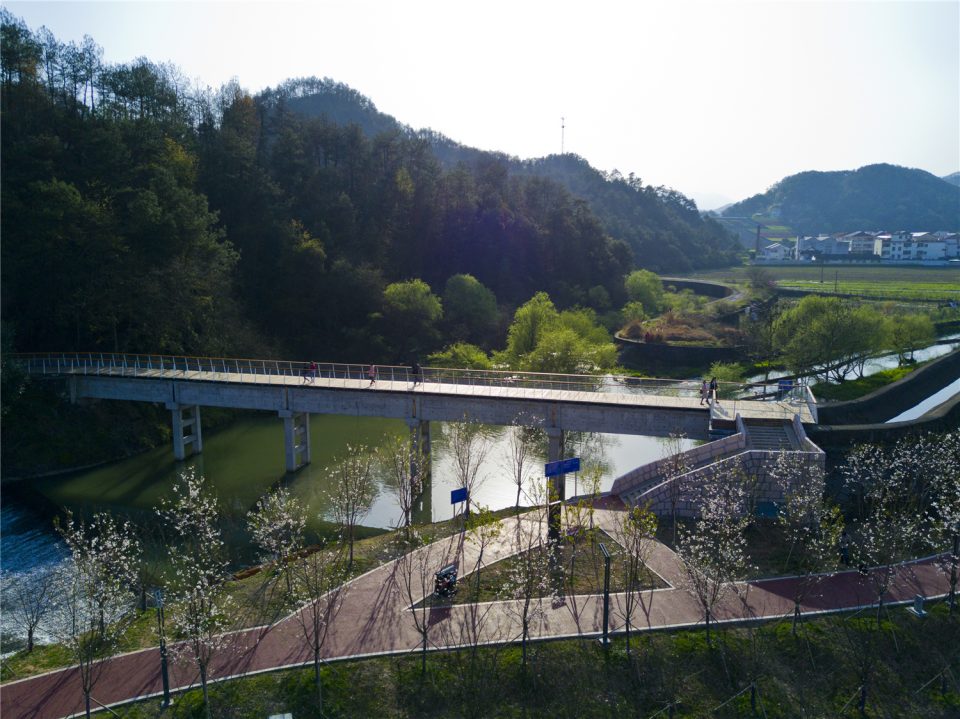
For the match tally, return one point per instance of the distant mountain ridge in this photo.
(663, 227)
(953, 178)
(880, 196)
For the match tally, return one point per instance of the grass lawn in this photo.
(578, 569)
(852, 389)
(903, 283)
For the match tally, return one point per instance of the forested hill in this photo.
(875, 197)
(662, 227)
(141, 215)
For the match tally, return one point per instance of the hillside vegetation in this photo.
(874, 197)
(662, 226)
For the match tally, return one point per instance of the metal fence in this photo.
(466, 381)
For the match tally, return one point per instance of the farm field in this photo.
(904, 283)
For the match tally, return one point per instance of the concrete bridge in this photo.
(294, 390)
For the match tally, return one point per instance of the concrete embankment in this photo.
(864, 420)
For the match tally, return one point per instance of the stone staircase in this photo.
(772, 436)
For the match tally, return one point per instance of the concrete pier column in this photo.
(419, 449)
(296, 439)
(187, 433)
(556, 485)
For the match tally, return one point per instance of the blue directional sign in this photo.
(458, 495)
(563, 466)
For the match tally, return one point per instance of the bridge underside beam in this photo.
(599, 416)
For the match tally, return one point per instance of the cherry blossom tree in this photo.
(714, 550)
(200, 609)
(811, 525)
(353, 491)
(277, 525)
(888, 525)
(96, 591)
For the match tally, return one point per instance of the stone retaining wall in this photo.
(694, 458)
(755, 465)
(877, 407)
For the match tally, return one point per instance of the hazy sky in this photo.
(716, 99)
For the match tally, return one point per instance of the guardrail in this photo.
(333, 374)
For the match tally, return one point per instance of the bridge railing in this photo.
(467, 381)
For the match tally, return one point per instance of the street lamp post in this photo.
(606, 597)
(158, 597)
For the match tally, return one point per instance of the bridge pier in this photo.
(186, 429)
(556, 485)
(420, 463)
(296, 438)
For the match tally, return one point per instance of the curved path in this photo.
(375, 619)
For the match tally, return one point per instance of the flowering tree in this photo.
(96, 591)
(714, 550)
(942, 464)
(811, 525)
(319, 578)
(890, 501)
(201, 607)
(635, 530)
(353, 491)
(277, 525)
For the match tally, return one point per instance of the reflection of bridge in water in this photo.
(556, 402)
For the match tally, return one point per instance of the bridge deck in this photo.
(622, 394)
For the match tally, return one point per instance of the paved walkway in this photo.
(376, 618)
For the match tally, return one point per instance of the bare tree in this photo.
(319, 578)
(523, 444)
(469, 446)
(675, 465)
(714, 550)
(353, 491)
(483, 528)
(277, 525)
(812, 526)
(201, 608)
(635, 529)
(28, 599)
(95, 591)
(528, 579)
(413, 577)
(405, 470)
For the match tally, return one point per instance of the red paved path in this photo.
(374, 619)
